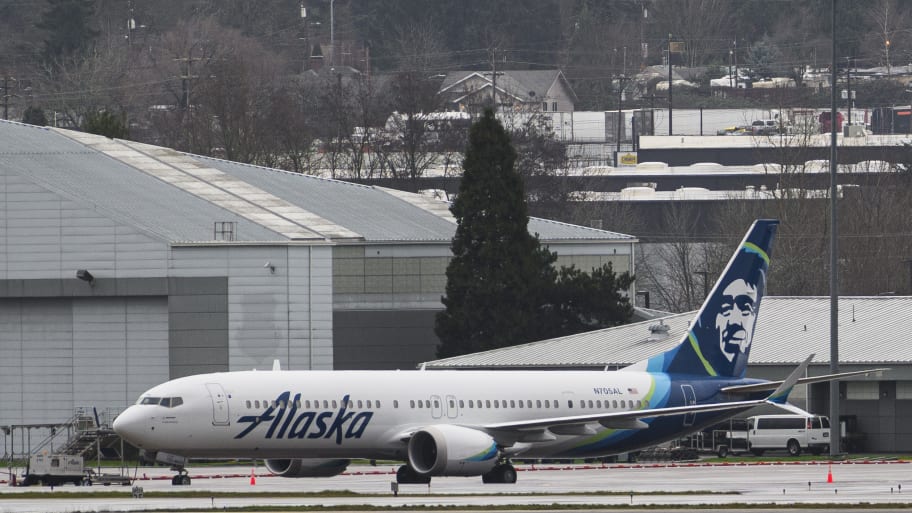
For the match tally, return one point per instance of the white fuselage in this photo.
(300, 414)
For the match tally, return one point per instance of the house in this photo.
(519, 90)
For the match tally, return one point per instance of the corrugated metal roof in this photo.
(179, 197)
(75, 171)
(788, 329)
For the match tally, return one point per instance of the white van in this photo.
(792, 433)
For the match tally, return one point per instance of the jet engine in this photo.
(446, 450)
(309, 467)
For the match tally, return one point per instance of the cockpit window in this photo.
(167, 402)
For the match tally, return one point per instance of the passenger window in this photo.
(520, 404)
(256, 404)
(496, 403)
(488, 403)
(326, 403)
(452, 403)
(378, 405)
(334, 404)
(570, 403)
(529, 403)
(298, 404)
(639, 403)
(614, 403)
(436, 403)
(461, 404)
(623, 403)
(538, 403)
(591, 405)
(471, 403)
(368, 404)
(512, 403)
(307, 404)
(248, 404)
(359, 404)
(412, 404)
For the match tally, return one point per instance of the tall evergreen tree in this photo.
(499, 275)
(502, 288)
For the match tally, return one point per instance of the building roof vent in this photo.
(659, 331)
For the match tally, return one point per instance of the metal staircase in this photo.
(84, 434)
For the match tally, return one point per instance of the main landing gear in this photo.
(181, 478)
(502, 473)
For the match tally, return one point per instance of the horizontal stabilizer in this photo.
(780, 395)
(772, 385)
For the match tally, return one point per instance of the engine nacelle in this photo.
(445, 450)
(309, 467)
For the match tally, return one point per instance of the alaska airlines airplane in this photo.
(469, 423)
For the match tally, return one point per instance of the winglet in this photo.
(276, 365)
(780, 395)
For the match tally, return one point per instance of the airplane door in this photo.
(690, 399)
(219, 404)
(436, 407)
(452, 407)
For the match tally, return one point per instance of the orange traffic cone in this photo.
(252, 477)
(830, 474)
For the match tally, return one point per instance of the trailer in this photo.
(53, 470)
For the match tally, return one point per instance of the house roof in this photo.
(788, 330)
(525, 85)
(178, 197)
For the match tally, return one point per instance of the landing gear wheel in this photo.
(405, 475)
(794, 448)
(181, 479)
(502, 474)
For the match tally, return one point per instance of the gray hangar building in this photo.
(123, 265)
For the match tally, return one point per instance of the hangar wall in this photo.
(57, 353)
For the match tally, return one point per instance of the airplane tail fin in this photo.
(719, 339)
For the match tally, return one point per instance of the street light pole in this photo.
(332, 32)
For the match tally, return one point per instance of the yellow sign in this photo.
(628, 159)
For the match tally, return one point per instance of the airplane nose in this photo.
(129, 425)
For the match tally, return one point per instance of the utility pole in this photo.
(620, 125)
(670, 108)
(849, 89)
(6, 97)
(494, 79)
(835, 432)
(332, 33)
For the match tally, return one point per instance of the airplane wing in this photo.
(770, 385)
(631, 419)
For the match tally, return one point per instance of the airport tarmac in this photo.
(582, 486)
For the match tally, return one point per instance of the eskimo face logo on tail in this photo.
(736, 317)
(285, 421)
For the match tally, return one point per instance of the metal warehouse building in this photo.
(123, 265)
(876, 410)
